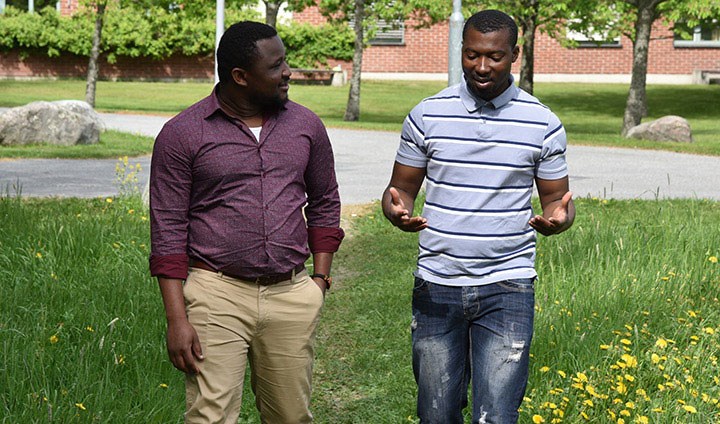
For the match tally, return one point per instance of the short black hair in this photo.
(238, 46)
(491, 21)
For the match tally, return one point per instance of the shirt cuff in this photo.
(170, 266)
(325, 239)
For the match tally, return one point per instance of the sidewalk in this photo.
(364, 161)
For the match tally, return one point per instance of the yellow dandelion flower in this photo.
(629, 377)
(562, 373)
(588, 402)
(689, 408)
(620, 421)
(661, 343)
(713, 259)
(630, 360)
(709, 330)
(642, 419)
(630, 405)
(537, 419)
(80, 406)
(626, 342)
(89, 328)
(658, 410)
(163, 386)
(655, 358)
(131, 211)
(604, 347)
(625, 413)
(621, 388)
(581, 377)
(54, 339)
(38, 255)
(544, 369)
(109, 200)
(585, 416)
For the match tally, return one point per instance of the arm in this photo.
(399, 197)
(322, 262)
(557, 207)
(183, 344)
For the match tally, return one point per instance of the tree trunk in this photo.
(93, 65)
(271, 12)
(636, 106)
(352, 111)
(527, 62)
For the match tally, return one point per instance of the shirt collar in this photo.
(473, 103)
(213, 107)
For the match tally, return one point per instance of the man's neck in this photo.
(238, 108)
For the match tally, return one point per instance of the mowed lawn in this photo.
(591, 113)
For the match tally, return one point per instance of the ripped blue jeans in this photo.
(478, 334)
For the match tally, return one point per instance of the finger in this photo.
(566, 199)
(197, 348)
(395, 197)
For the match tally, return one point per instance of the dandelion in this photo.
(80, 406)
(713, 259)
(54, 339)
(544, 369)
(90, 329)
(690, 409)
(642, 419)
(709, 330)
(163, 386)
(661, 343)
(537, 419)
(131, 211)
(626, 342)
(109, 200)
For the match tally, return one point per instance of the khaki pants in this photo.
(272, 326)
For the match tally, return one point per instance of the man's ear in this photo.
(239, 76)
(515, 53)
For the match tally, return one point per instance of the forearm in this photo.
(171, 290)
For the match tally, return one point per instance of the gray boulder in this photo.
(667, 128)
(62, 123)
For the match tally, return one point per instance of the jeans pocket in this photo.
(420, 285)
(519, 285)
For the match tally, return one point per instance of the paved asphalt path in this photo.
(364, 161)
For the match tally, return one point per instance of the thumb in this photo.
(395, 197)
(197, 348)
(566, 199)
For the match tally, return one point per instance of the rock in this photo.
(83, 108)
(63, 123)
(667, 128)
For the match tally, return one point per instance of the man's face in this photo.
(269, 74)
(487, 59)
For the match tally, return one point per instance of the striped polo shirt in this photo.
(481, 159)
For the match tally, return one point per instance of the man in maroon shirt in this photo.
(242, 191)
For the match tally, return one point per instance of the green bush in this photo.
(157, 33)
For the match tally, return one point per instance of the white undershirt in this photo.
(256, 132)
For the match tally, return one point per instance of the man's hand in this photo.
(399, 215)
(559, 217)
(183, 346)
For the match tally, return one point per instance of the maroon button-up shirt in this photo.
(222, 197)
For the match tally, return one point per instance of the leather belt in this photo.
(265, 280)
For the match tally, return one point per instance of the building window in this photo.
(592, 39)
(704, 35)
(386, 33)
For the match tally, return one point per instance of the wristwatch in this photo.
(326, 278)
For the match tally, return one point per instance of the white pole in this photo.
(31, 6)
(455, 44)
(219, 30)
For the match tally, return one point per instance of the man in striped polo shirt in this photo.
(479, 146)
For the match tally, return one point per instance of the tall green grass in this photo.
(628, 321)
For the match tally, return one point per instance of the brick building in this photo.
(407, 53)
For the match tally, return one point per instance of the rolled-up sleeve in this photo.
(170, 187)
